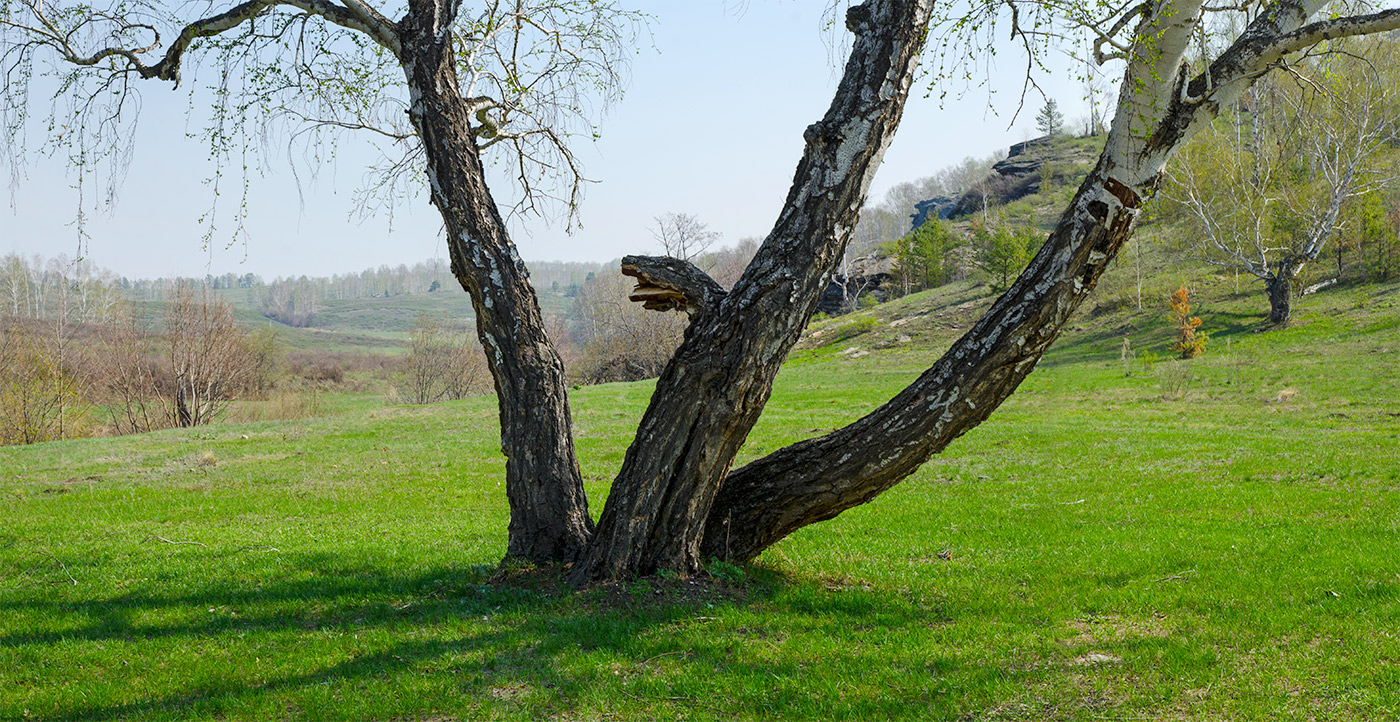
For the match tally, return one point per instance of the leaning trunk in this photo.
(817, 479)
(548, 509)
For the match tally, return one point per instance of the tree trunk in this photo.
(549, 519)
(711, 393)
(1280, 287)
(819, 478)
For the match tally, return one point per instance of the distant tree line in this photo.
(59, 288)
(294, 300)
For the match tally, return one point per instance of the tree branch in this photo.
(168, 68)
(668, 284)
(1267, 41)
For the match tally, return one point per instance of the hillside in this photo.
(374, 324)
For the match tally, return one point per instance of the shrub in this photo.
(1190, 343)
(1175, 379)
(441, 364)
(40, 398)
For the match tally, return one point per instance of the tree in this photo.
(621, 340)
(41, 399)
(1003, 251)
(208, 359)
(1387, 244)
(1265, 190)
(1094, 93)
(682, 235)
(919, 255)
(131, 376)
(1189, 342)
(676, 499)
(1050, 121)
(440, 364)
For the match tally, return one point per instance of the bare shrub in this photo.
(208, 355)
(188, 375)
(266, 355)
(621, 340)
(441, 364)
(1175, 379)
(288, 402)
(132, 373)
(326, 371)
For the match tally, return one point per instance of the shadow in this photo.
(527, 624)
(1235, 324)
(1104, 344)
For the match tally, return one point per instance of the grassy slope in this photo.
(1093, 551)
(372, 325)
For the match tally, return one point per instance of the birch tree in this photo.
(676, 500)
(1265, 189)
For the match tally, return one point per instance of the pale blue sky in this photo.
(711, 125)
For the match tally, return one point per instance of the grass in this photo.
(1093, 551)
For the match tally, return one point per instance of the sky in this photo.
(711, 125)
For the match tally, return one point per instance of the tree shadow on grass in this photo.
(483, 643)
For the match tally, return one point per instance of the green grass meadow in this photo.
(1208, 540)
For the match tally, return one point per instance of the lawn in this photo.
(1218, 539)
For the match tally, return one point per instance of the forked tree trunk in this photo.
(671, 504)
(549, 518)
(713, 390)
(668, 508)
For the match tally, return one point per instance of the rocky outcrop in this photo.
(935, 207)
(1019, 175)
(871, 275)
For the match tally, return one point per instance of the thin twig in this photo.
(62, 566)
(255, 546)
(1175, 577)
(687, 700)
(167, 541)
(665, 654)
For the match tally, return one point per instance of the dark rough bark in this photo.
(709, 396)
(183, 417)
(671, 284)
(549, 518)
(817, 479)
(1280, 288)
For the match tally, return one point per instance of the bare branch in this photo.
(667, 284)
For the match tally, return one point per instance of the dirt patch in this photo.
(637, 595)
(1115, 628)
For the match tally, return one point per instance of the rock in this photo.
(870, 274)
(1019, 174)
(935, 207)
